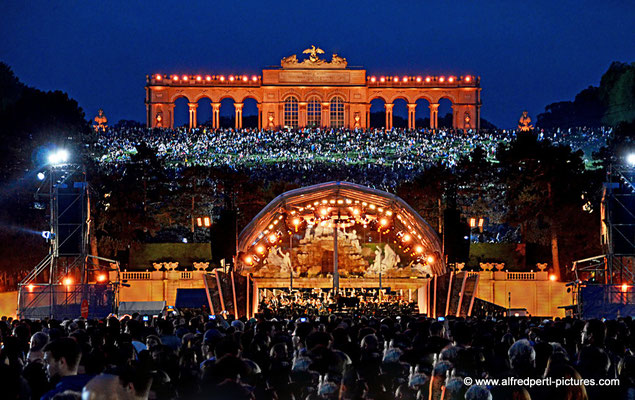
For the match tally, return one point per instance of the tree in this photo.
(544, 189)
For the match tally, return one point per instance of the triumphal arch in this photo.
(313, 92)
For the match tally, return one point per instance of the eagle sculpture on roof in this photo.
(313, 53)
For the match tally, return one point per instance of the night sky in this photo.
(528, 54)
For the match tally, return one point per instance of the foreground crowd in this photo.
(193, 356)
(395, 155)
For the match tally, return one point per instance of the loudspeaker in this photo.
(622, 209)
(70, 218)
(456, 237)
(223, 236)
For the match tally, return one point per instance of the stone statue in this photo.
(290, 60)
(313, 53)
(377, 263)
(391, 259)
(100, 121)
(524, 123)
(337, 60)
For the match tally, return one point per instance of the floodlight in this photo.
(41, 176)
(630, 159)
(60, 156)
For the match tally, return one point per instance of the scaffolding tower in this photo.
(69, 282)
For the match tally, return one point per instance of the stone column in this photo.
(239, 115)
(169, 122)
(326, 114)
(388, 107)
(411, 115)
(259, 107)
(192, 107)
(367, 122)
(215, 115)
(434, 115)
(302, 114)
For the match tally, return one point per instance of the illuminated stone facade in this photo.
(314, 93)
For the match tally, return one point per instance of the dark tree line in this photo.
(609, 104)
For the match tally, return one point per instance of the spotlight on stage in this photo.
(630, 159)
(41, 176)
(58, 157)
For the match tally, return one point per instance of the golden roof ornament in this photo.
(314, 60)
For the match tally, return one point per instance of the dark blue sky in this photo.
(528, 54)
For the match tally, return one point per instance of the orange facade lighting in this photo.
(405, 79)
(624, 287)
(273, 238)
(249, 259)
(395, 79)
(481, 221)
(199, 78)
(68, 281)
(231, 78)
(428, 79)
(419, 249)
(418, 79)
(222, 78)
(175, 78)
(468, 78)
(472, 222)
(552, 278)
(101, 278)
(207, 222)
(245, 79)
(451, 79)
(184, 77)
(442, 79)
(406, 237)
(157, 77)
(254, 78)
(30, 286)
(208, 78)
(430, 259)
(260, 249)
(199, 222)
(382, 79)
(383, 222)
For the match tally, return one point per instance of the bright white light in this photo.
(184, 240)
(59, 157)
(41, 176)
(631, 159)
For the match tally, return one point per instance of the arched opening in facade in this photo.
(378, 113)
(227, 113)
(336, 112)
(314, 112)
(250, 113)
(422, 114)
(446, 115)
(375, 233)
(400, 113)
(291, 112)
(181, 112)
(204, 113)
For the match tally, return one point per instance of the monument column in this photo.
(192, 107)
(259, 107)
(388, 107)
(367, 121)
(215, 115)
(170, 116)
(434, 115)
(238, 123)
(411, 115)
(326, 114)
(302, 114)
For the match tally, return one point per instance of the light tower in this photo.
(61, 285)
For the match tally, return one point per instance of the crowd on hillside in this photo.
(395, 155)
(346, 356)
